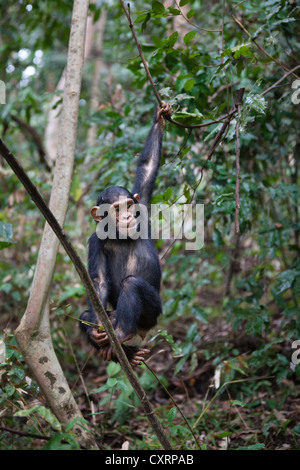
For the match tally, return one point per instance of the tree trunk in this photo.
(33, 333)
(95, 89)
(53, 124)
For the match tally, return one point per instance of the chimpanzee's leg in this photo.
(138, 307)
(137, 310)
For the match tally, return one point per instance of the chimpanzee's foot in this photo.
(139, 357)
(106, 349)
(135, 356)
(106, 352)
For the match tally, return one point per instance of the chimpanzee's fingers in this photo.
(135, 363)
(105, 352)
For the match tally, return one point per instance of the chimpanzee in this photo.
(124, 267)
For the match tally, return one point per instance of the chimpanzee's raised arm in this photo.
(149, 159)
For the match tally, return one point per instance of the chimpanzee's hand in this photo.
(98, 337)
(163, 112)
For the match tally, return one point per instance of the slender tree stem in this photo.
(290, 72)
(175, 404)
(127, 13)
(186, 126)
(260, 47)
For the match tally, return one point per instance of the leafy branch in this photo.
(186, 126)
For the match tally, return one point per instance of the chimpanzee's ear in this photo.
(95, 216)
(137, 197)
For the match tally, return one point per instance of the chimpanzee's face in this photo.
(124, 214)
(117, 218)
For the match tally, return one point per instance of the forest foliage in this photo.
(226, 344)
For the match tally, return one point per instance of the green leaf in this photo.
(199, 314)
(172, 414)
(44, 413)
(224, 434)
(78, 421)
(71, 292)
(123, 386)
(285, 280)
(113, 368)
(172, 40)
(190, 14)
(225, 53)
(158, 7)
(167, 194)
(100, 389)
(144, 25)
(187, 118)
(189, 36)
(157, 198)
(55, 443)
(183, 2)
(9, 390)
(296, 429)
(174, 11)
(141, 18)
(239, 50)
(111, 382)
(252, 447)
(6, 235)
(237, 402)
(243, 51)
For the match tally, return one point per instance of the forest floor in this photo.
(256, 412)
(253, 410)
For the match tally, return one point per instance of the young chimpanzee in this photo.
(124, 265)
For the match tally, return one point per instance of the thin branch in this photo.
(34, 436)
(141, 52)
(222, 88)
(234, 254)
(195, 26)
(174, 403)
(280, 80)
(182, 147)
(186, 126)
(26, 434)
(221, 388)
(223, 49)
(91, 292)
(260, 47)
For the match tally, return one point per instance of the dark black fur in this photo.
(126, 273)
